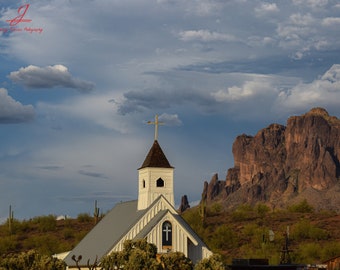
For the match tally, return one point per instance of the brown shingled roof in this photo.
(156, 157)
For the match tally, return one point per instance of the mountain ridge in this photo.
(282, 165)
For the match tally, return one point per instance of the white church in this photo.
(152, 217)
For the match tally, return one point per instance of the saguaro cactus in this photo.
(10, 219)
(96, 212)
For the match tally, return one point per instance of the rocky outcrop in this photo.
(184, 204)
(282, 164)
(212, 189)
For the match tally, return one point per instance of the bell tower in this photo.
(155, 176)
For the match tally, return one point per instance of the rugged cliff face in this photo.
(283, 165)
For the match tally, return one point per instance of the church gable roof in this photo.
(153, 222)
(156, 158)
(99, 241)
(192, 235)
(118, 222)
(111, 229)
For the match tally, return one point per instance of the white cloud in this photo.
(302, 33)
(12, 111)
(301, 20)
(170, 119)
(331, 21)
(249, 90)
(332, 75)
(312, 3)
(49, 77)
(321, 92)
(205, 8)
(205, 35)
(266, 8)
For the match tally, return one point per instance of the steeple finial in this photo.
(156, 123)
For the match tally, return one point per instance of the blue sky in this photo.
(79, 79)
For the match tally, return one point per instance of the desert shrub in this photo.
(305, 230)
(214, 209)
(46, 223)
(8, 244)
(68, 233)
(214, 262)
(31, 260)
(242, 213)
(318, 234)
(44, 244)
(301, 230)
(175, 261)
(250, 229)
(84, 217)
(135, 255)
(302, 207)
(309, 252)
(224, 237)
(330, 250)
(255, 235)
(262, 209)
(193, 217)
(14, 228)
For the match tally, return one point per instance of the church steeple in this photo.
(155, 176)
(156, 157)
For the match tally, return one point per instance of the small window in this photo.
(143, 183)
(160, 182)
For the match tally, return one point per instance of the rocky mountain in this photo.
(282, 165)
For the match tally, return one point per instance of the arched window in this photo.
(166, 234)
(143, 183)
(160, 182)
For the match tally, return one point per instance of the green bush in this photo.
(309, 252)
(46, 223)
(31, 260)
(302, 207)
(214, 209)
(68, 233)
(8, 244)
(250, 229)
(175, 261)
(305, 230)
(135, 255)
(224, 237)
(84, 217)
(262, 209)
(44, 244)
(243, 212)
(318, 234)
(193, 217)
(330, 250)
(214, 262)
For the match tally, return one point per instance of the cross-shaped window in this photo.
(167, 234)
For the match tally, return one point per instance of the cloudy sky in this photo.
(79, 79)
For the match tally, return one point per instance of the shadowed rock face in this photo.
(184, 204)
(283, 164)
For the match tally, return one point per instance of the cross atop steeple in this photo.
(156, 123)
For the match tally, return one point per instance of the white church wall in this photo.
(161, 204)
(150, 192)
